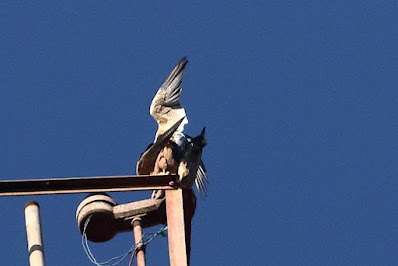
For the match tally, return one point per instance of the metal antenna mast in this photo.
(119, 214)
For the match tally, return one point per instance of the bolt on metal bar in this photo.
(86, 184)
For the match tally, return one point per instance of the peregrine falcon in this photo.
(173, 151)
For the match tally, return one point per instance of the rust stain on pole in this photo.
(176, 228)
(85, 184)
(33, 232)
(139, 244)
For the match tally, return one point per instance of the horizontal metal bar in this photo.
(85, 184)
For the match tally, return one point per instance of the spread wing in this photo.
(165, 106)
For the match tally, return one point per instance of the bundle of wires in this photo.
(145, 239)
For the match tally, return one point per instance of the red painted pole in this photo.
(140, 248)
(176, 228)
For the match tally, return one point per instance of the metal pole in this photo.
(140, 247)
(33, 232)
(176, 228)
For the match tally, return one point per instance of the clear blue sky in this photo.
(299, 99)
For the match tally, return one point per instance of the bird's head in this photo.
(202, 137)
(199, 142)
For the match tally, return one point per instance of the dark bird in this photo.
(191, 168)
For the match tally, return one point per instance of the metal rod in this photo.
(85, 184)
(139, 243)
(33, 232)
(176, 228)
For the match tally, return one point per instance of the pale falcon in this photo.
(182, 154)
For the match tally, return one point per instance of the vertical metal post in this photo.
(33, 232)
(176, 228)
(140, 248)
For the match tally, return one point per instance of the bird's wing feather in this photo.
(165, 107)
(147, 160)
(201, 179)
(172, 85)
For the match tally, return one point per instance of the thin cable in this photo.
(132, 259)
(119, 258)
(145, 243)
(152, 236)
(91, 257)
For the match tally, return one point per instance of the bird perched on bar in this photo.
(174, 152)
